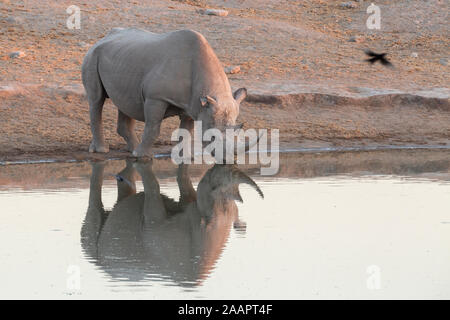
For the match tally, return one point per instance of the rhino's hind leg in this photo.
(96, 214)
(98, 143)
(96, 182)
(125, 128)
(96, 97)
(154, 111)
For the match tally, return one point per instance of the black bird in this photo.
(378, 57)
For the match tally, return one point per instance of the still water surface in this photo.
(372, 225)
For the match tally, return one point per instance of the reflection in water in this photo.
(325, 219)
(148, 234)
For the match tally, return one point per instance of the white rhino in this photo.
(148, 233)
(150, 77)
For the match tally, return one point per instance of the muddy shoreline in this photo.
(83, 156)
(293, 165)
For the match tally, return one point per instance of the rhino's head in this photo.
(219, 187)
(221, 112)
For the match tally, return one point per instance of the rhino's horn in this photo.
(241, 177)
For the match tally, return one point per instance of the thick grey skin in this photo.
(149, 233)
(150, 77)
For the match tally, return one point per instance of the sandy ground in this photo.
(303, 74)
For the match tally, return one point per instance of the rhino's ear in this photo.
(207, 101)
(203, 101)
(240, 94)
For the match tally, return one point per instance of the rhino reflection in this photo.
(148, 234)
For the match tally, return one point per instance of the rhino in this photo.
(150, 77)
(148, 233)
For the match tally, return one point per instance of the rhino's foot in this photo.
(140, 153)
(101, 148)
(131, 146)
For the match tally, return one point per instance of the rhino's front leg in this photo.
(187, 191)
(154, 111)
(187, 123)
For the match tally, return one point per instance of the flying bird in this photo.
(378, 57)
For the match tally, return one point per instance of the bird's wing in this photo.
(386, 62)
(372, 60)
(370, 53)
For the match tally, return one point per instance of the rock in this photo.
(348, 5)
(443, 61)
(83, 44)
(12, 20)
(414, 55)
(10, 90)
(357, 39)
(232, 69)
(17, 54)
(216, 12)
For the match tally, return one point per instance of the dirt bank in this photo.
(58, 127)
(303, 74)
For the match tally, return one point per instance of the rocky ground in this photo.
(302, 62)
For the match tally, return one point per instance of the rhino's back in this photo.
(131, 61)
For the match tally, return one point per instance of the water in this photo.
(333, 225)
